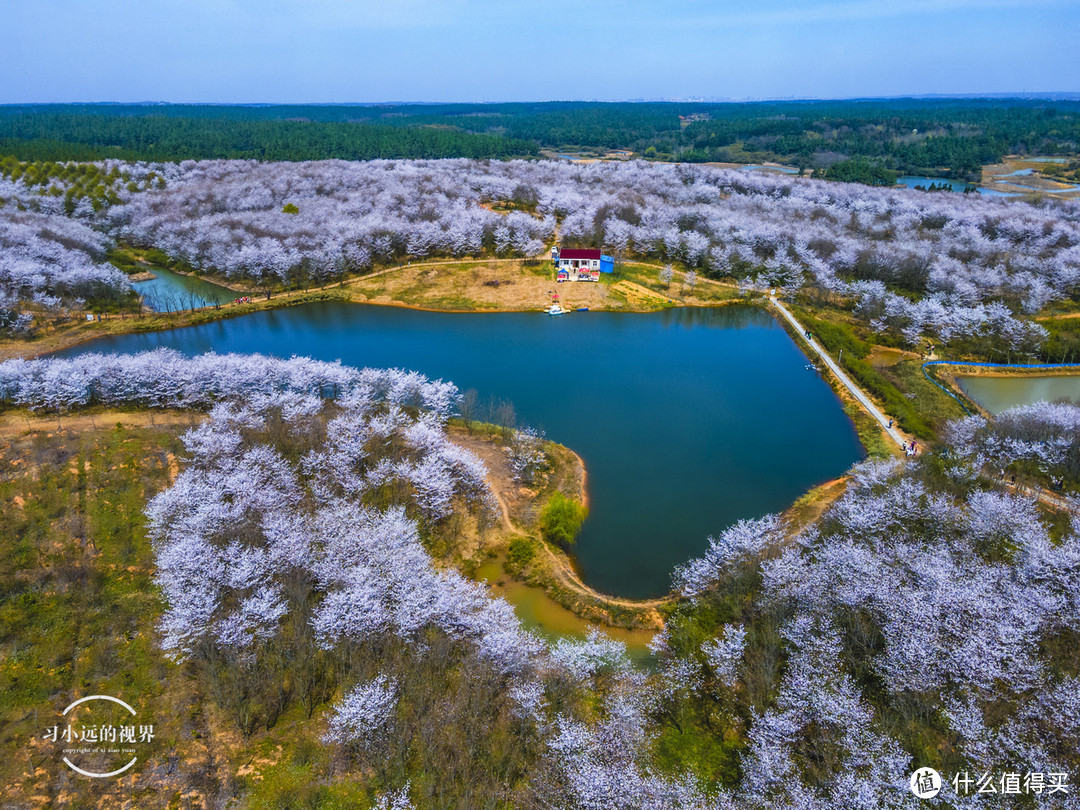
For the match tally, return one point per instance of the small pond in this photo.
(911, 181)
(752, 167)
(172, 292)
(997, 394)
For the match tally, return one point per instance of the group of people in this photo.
(910, 448)
(246, 299)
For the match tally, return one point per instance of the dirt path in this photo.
(815, 503)
(500, 484)
(569, 579)
(13, 424)
(1044, 496)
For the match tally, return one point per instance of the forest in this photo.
(38, 135)
(945, 137)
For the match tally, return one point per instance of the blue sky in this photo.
(506, 50)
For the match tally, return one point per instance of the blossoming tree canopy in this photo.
(952, 267)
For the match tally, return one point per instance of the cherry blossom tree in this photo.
(49, 259)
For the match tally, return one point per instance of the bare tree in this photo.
(467, 407)
(504, 416)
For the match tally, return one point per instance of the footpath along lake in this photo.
(688, 420)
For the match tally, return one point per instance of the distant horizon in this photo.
(1047, 95)
(316, 51)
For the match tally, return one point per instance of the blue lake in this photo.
(688, 420)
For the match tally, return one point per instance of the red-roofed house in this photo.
(582, 264)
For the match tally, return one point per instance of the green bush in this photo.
(861, 171)
(1063, 344)
(158, 256)
(521, 552)
(294, 786)
(561, 519)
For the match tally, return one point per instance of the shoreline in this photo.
(556, 579)
(450, 287)
(79, 332)
(868, 430)
(1006, 370)
(76, 333)
(559, 582)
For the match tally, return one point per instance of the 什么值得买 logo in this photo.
(925, 783)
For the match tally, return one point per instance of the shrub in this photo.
(521, 552)
(561, 519)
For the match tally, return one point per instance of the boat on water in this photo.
(582, 309)
(555, 309)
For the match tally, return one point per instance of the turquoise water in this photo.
(171, 292)
(956, 185)
(997, 394)
(750, 167)
(688, 420)
(959, 185)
